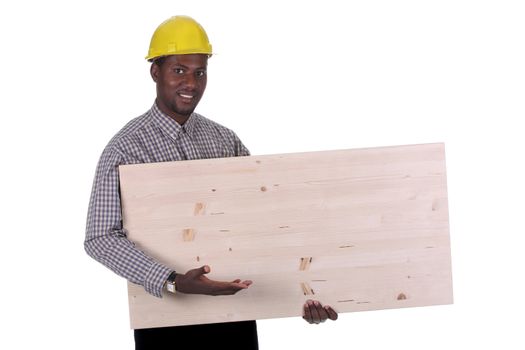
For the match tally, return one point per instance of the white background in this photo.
(287, 77)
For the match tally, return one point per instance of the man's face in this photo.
(181, 81)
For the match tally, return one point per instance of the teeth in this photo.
(186, 96)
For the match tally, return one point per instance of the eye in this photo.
(200, 73)
(178, 70)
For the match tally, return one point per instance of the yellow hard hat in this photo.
(179, 35)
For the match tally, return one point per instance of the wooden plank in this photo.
(361, 229)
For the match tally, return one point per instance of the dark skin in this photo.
(181, 81)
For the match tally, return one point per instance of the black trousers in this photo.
(230, 336)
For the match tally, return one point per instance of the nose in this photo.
(190, 81)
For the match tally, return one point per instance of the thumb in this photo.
(195, 273)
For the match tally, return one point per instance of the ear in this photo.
(154, 71)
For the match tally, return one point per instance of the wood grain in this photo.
(361, 229)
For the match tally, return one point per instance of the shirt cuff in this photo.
(155, 278)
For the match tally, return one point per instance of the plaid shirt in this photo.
(152, 137)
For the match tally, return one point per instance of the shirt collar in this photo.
(169, 124)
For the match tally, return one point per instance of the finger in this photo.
(195, 273)
(323, 315)
(315, 313)
(226, 288)
(307, 315)
(238, 284)
(244, 284)
(332, 314)
(241, 285)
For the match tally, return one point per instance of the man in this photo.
(171, 131)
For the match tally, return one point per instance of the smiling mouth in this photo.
(186, 96)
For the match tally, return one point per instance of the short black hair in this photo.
(159, 61)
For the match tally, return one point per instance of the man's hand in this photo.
(315, 312)
(194, 282)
